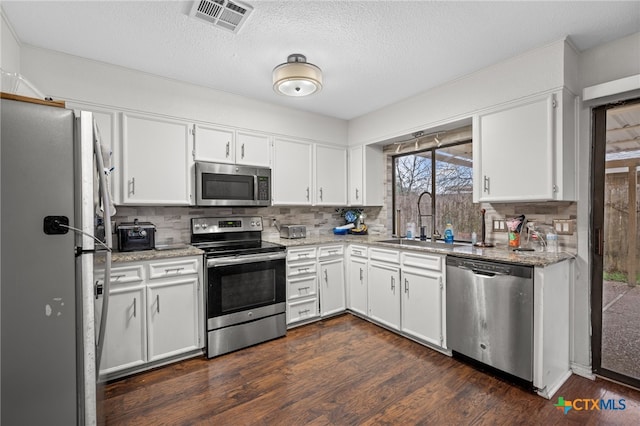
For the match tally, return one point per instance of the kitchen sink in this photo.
(419, 243)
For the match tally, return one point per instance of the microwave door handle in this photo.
(255, 187)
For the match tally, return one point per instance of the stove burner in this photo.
(230, 236)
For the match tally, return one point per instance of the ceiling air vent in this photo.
(225, 14)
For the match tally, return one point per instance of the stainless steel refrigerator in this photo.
(48, 211)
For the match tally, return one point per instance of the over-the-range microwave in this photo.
(219, 184)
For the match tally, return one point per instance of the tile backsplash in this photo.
(172, 223)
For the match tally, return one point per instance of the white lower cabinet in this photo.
(332, 291)
(423, 297)
(172, 312)
(358, 282)
(156, 312)
(125, 342)
(421, 305)
(384, 293)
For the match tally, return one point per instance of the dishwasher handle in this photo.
(486, 273)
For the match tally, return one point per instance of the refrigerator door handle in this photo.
(106, 204)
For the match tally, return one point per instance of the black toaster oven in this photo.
(136, 236)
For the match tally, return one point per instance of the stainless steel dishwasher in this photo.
(490, 314)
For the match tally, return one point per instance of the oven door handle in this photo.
(249, 258)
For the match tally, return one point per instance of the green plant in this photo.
(615, 276)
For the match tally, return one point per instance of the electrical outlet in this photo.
(499, 225)
(563, 226)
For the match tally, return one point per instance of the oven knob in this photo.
(250, 313)
(196, 226)
(143, 233)
(258, 223)
(205, 226)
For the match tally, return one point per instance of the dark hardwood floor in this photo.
(346, 371)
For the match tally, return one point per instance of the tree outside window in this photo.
(453, 181)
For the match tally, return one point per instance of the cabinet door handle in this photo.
(242, 151)
(393, 283)
(307, 193)
(227, 152)
(135, 307)
(361, 272)
(158, 303)
(406, 285)
(320, 194)
(357, 194)
(132, 186)
(486, 184)
(326, 276)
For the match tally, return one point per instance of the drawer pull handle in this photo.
(301, 270)
(301, 289)
(306, 311)
(116, 277)
(358, 252)
(177, 270)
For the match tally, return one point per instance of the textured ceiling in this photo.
(372, 53)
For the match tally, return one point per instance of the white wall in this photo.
(602, 64)
(530, 73)
(72, 78)
(10, 48)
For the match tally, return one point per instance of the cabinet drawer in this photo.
(384, 255)
(302, 287)
(301, 268)
(173, 268)
(121, 274)
(301, 254)
(420, 260)
(358, 251)
(302, 310)
(330, 251)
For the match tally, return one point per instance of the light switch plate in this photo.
(499, 225)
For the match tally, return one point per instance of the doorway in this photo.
(615, 245)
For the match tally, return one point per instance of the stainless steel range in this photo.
(246, 282)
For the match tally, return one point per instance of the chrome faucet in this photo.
(434, 233)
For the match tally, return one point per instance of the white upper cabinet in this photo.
(526, 151)
(331, 176)
(292, 172)
(156, 160)
(222, 145)
(214, 144)
(253, 149)
(366, 176)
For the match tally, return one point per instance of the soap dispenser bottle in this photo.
(448, 233)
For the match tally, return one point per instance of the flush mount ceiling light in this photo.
(296, 77)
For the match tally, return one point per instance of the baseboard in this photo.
(549, 391)
(583, 371)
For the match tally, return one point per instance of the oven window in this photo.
(247, 290)
(242, 287)
(227, 187)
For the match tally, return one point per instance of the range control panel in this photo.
(213, 225)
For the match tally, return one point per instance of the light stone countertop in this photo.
(134, 256)
(501, 253)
